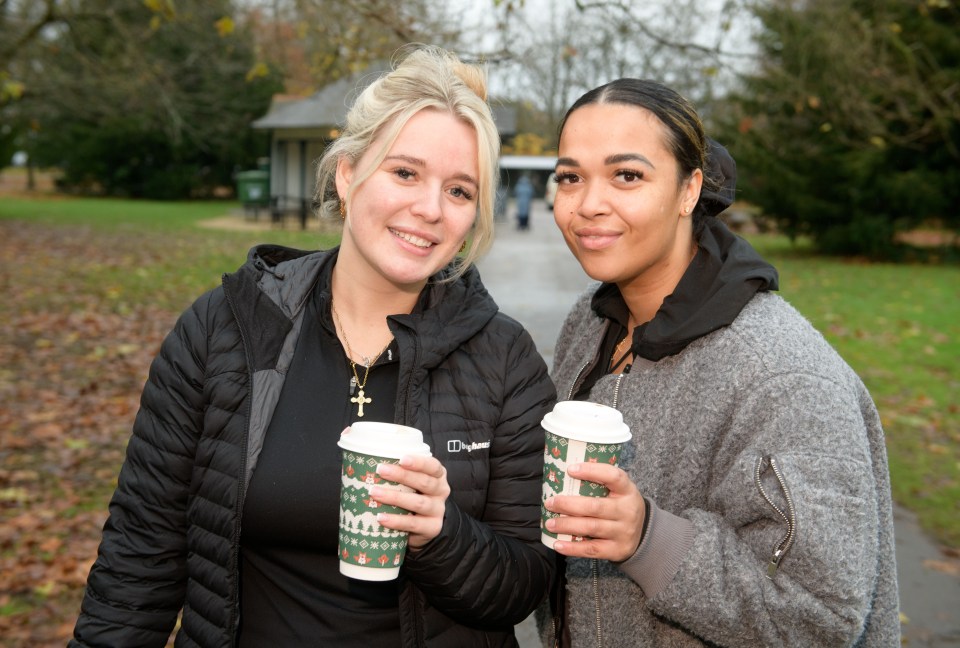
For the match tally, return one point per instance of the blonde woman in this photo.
(227, 505)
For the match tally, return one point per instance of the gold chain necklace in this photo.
(360, 399)
(617, 351)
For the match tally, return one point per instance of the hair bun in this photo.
(473, 77)
(720, 180)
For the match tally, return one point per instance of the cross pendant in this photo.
(360, 400)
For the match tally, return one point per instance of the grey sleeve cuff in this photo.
(663, 548)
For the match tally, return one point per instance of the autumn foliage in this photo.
(73, 358)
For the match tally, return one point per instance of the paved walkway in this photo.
(535, 279)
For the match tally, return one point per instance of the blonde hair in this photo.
(421, 77)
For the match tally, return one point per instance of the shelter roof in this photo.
(328, 107)
(325, 108)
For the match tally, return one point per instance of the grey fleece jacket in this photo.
(706, 423)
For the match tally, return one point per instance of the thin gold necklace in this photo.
(617, 358)
(360, 399)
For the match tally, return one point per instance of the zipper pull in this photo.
(774, 563)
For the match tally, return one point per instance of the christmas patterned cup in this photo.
(367, 550)
(577, 432)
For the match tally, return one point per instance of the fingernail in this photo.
(551, 525)
(375, 491)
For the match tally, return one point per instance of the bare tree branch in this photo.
(28, 35)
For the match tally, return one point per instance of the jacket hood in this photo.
(724, 275)
(447, 313)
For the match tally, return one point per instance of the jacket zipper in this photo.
(788, 516)
(404, 418)
(576, 381)
(595, 570)
(234, 621)
(594, 563)
(560, 611)
(403, 394)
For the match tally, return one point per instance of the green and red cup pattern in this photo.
(364, 543)
(558, 453)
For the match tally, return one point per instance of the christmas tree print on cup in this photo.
(577, 432)
(367, 550)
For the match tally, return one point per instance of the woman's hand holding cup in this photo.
(589, 506)
(610, 527)
(376, 497)
(428, 479)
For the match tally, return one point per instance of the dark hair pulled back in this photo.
(685, 139)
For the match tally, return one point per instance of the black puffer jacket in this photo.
(470, 379)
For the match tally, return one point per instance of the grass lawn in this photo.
(163, 254)
(91, 286)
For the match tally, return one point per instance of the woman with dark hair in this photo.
(752, 507)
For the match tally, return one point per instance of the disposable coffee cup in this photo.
(577, 432)
(367, 550)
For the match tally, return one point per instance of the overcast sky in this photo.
(537, 13)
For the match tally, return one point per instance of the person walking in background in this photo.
(226, 509)
(752, 506)
(523, 195)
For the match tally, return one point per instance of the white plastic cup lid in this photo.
(383, 440)
(586, 421)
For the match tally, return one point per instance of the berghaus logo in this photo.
(455, 445)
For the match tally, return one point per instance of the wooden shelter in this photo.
(301, 128)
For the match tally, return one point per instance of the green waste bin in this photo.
(253, 188)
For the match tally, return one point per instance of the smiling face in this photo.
(622, 210)
(409, 217)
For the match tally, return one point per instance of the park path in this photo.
(535, 279)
